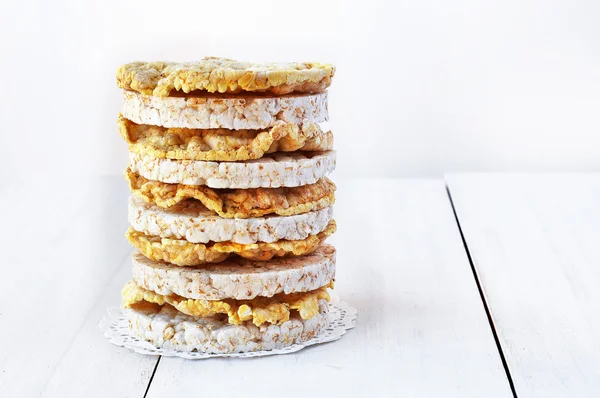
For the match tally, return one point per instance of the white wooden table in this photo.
(531, 248)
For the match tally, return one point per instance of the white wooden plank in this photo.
(64, 244)
(422, 329)
(534, 240)
(101, 369)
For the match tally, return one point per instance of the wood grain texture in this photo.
(421, 329)
(64, 256)
(535, 243)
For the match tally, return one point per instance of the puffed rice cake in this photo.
(276, 170)
(235, 111)
(194, 222)
(238, 279)
(172, 330)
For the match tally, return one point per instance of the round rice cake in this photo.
(167, 328)
(192, 221)
(224, 75)
(236, 203)
(236, 112)
(272, 171)
(183, 253)
(222, 144)
(274, 310)
(238, 278)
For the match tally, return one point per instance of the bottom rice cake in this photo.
(230, 307)
(165, 327)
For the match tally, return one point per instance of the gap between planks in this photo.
(481, 294)
(152, 376)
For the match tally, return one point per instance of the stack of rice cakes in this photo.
(230, 203)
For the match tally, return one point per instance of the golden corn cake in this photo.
(224, 75)
(222, 144)
(183, 253)
(236, 203)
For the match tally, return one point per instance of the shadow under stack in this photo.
(230, 203)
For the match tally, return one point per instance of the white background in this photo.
(421, 87)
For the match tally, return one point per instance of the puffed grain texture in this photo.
(235, 112)
(236, 203)
(274, 310)
(170, 329)
(224, 75)
(222, 144)
(272, 171)
(192, 221)
(183, 253)
(238, 278)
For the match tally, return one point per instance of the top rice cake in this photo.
(224, 75)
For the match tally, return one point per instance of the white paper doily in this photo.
(116, 329)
